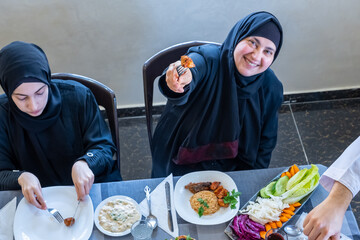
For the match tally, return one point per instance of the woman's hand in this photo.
(83, 178)
(173, 81)
(325, 220)
(31, 189)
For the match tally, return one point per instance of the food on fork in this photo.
(69, 221)
(187, 62)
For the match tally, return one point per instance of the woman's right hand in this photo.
(31, 189)
(174, 82)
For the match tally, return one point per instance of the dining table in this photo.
(248, 182)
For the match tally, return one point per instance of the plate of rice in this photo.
(187, 204)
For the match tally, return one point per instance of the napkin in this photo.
(158, 206)
(7, 214)
(299, 224)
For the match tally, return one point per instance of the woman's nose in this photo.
(32, 105)
(256, 54)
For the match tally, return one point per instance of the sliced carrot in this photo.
(288, 216)
(283, 219)
(278, 224)
(288, 174)
(283, 174)
(288, 212)
(297, 204)
(291, 208)
(273, 225)
(262, 234)
(292, 171)
(296, 168)
(267, 227)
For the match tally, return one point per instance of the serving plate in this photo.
(33, 223)
(105, 201)
(230, 232)
(182, 198)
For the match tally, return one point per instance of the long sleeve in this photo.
(346, 169)
(8, 177)
(269, 129)
(96, 139)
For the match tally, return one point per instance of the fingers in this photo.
(175, 82)
(83, 179)
(83, 188)
(31, 189)
(335, 237)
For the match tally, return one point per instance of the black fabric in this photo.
(78, 131)
(221, 108)
(24, 62)
(270, 31)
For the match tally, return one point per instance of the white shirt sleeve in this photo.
(346, 169)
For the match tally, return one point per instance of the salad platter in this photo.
(275, 204)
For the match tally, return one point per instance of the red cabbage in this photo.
(245, 228)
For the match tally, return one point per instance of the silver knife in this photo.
(168, 203)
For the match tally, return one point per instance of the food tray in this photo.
(228, 231)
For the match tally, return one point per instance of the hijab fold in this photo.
(22, 62)
(220, 100)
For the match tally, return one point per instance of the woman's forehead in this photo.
(28, 88)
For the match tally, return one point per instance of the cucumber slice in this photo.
(270, 188)
(263, 194)
(280, 185)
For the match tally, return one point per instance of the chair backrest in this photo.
(105, 97)
(154, 67)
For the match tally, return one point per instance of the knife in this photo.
(168, 203)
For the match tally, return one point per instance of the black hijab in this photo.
(25, 62)
(221, 100)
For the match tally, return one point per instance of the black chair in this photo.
(154, 68)
(105, 97)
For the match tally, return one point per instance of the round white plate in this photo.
(98, 208)
(182, 198)
(33, 223)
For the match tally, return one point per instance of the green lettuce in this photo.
(308, 183)
(296, 178)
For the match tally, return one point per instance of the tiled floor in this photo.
(312, 132)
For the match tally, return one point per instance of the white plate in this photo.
(182, 198)
(98, 208)
(31, 223)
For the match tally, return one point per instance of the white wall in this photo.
(110, 40)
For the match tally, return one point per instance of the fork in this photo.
(56, 214)
(180, 70)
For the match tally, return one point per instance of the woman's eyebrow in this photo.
(267, 48)
(20, 94)
(40, 88)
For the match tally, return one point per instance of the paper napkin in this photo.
(158, 206)
(7, 214)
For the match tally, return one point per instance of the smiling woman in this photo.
(223, 113)
(51, 131)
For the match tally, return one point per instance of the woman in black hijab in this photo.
(51, 131)
(222, 114)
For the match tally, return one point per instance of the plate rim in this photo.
(200, 221)
(91, 213)
(102, 203)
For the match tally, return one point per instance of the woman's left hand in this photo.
(82, 177)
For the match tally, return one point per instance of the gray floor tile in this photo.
(326, 129)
